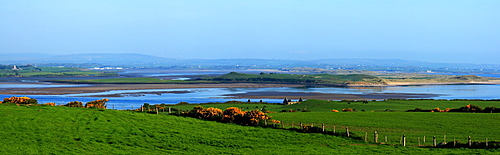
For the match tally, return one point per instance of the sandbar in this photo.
(327, 96)
(108, 87)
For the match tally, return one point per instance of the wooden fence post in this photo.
(265, 122)
(292, 125)
(434, 142)
(142, 108)
(375, 137)
(486, 142)
(282, 125)
(404, 140)
(323, 127)
(469, 142)
(418, 138)
(424, 139)
(157, 112)
(169, 110)
(444, 140)
(301, 127)
(334, 129)
(386, 139)
(347, 131)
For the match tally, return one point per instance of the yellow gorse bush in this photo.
(17, 100)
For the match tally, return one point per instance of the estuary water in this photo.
(204, 95)
(136, 98)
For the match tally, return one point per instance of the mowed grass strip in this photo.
(65, 130)
(386, 105)
(396, 124)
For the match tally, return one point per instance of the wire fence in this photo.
(367, 135)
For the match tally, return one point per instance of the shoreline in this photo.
(327, 96)
(96, 88)
(441, 83)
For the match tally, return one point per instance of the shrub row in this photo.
(230, 115)
(466, 108)
(99, 104)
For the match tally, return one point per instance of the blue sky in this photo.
(429, 30)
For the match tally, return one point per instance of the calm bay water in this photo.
(203, 95)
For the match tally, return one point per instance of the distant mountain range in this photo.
(134, 60)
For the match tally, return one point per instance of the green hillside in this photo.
(66, 130)
(299, 78)
(145, 80)
(234, 77)
(32, 71)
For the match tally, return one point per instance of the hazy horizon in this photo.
(433, 31)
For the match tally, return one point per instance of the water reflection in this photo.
(203, 95)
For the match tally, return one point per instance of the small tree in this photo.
(253, 118)
(471, 108)
(231, 114)
(211, 113)
(21, 100)
(196, 112)
(74, 104)
(491, 110)
(99, 104)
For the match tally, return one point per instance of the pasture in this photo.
(70, 130)
(387, 118)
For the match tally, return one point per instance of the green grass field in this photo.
(65, 130)
(133, 81)
(30, 71)
(377, 106)
(234, 77)
(395, 124)
(298, 78)
(387, 118)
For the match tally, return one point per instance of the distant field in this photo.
(298, 78)
(309, 79)
(234, 77)
(376, 106)
(431, 78)
(133, 81)
(30, 71)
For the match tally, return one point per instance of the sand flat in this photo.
(108, 87)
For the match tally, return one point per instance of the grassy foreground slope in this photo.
(412, 124)
(387, 118)
(64, 130)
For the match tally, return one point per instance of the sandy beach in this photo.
(325, 96)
